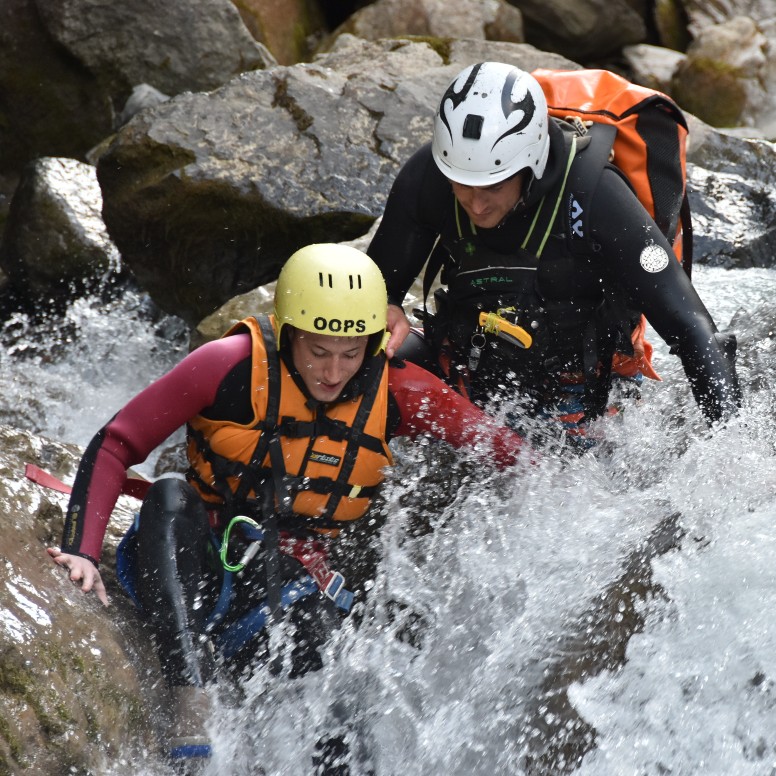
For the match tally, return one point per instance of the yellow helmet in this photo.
(328, 288)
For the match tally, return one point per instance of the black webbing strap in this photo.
(325, 426)
(269, 524)
(658, 126)
(434, 263)
(341, 487)
(321, 426)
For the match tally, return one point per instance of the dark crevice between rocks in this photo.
(302, 119)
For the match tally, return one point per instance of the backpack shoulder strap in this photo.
(585, 173)
(434, 263)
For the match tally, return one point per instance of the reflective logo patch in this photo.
(575, 217)
(325, 458)
(654, 258)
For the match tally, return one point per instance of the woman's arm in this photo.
(135, 431)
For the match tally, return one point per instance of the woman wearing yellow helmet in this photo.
(288, 421)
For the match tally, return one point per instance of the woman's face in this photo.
(326, 362)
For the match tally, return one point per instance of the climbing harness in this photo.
(311, 554)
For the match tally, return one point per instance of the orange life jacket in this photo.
(324, 463)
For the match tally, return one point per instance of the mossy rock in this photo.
(713, 91)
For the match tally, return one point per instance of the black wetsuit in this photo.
(580, 300)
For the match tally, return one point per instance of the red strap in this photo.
(312, 555)
(36, 474)
(133, 486)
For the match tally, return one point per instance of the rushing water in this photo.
(535, 615)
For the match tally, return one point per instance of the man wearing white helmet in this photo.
(288, 420)
(548, 256)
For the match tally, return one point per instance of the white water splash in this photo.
(466, 622)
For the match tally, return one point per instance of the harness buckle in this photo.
(335, 590)
(334, 585)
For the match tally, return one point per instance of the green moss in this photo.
(14, 745)
(15, 678)
(671, 21)
(441, 46)
(5, 768)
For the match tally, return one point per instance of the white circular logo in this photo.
(654, 258)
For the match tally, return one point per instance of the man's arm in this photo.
(429, 406)
(407, 234)
(638, 259)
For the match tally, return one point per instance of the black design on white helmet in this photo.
(491, 123)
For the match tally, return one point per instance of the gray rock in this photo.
(55, 239)
(207, 195)
(731, 183)
(582, 29)
(78, 682)
(143, 96)
(703, 15)
(486, 19)
(67, 66)
(653, 66)
(722, 79)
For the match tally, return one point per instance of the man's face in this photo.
(326, 362)
(487, 206)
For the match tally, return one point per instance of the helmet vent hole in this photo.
(472, 126)
(355, 281)
(323, 278)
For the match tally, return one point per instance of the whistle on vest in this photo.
(495, 323)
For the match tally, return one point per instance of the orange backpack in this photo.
(649, 148)
(650, 145)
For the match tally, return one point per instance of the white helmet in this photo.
(492, 122)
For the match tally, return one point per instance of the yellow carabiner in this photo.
(493, 323)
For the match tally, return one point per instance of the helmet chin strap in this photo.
(521, 200)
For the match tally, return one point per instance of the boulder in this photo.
(731, 184)
(55, 241)
(79, 683)
(67, 66)
(206, 195)
(653, 66)
(582, 30)
(486, 19)
(721, 80)
(702, 15)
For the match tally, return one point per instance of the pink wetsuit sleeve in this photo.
(136, 430)
(429, 406)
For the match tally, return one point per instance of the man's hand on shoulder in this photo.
(398, 327)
